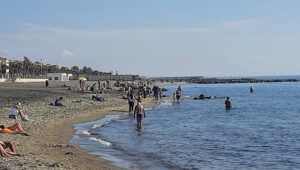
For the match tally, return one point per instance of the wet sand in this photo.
(50, 128)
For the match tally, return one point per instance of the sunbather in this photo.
(98, 98)
(7, 148)
(14, 129)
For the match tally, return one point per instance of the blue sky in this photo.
(157, 37)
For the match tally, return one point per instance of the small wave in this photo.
(103, 124)
(83, 132)
(167, 103)
(100, 141)
(147, 109)
(96, 126)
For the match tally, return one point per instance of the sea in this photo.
(262, 131)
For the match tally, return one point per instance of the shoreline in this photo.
(148, 104)
(51, 128)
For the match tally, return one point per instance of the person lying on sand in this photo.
(96, 97)
(16, 111)
(8, 148)
(14, 129)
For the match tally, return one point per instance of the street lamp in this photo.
(41, 66)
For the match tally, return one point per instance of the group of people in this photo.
(228, 104)
(139, 110)
(8, 147)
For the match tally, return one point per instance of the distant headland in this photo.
(218, 80)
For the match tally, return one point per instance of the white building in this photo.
(59, 76)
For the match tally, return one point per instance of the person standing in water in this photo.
(130, 99)
(178, 93)
(228, 104)
(139, 111)
(251, 89)
(155, 90)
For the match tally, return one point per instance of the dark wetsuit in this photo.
(228, 104)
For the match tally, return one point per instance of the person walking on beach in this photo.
(144, 91)
(139, 111)
(130, 98)
(228, 104)
(155, 90)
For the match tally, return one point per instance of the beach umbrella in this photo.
(82, 78)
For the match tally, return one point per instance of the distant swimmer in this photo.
(228, 104)
(202, 97)
(139, 111)
(251, 89)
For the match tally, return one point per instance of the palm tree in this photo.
(26, 66)
(75, 70)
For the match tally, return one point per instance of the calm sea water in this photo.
(262, 131)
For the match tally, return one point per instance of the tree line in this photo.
(28, 68)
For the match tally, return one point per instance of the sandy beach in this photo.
(50, 128)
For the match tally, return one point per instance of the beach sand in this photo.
(50, 128)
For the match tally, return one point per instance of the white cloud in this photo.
(3, 52)
(241, 23)
(32, 28)
(195, 44)
(67, 54)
